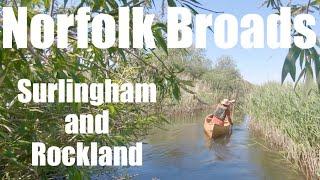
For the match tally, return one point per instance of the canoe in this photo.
(214, 130)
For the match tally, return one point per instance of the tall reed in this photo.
(290, 121)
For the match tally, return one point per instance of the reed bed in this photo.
(290, 121)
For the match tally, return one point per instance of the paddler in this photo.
(223, 111)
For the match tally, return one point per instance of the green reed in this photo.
(290, 120)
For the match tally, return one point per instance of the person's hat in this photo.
(232, 101)
(225, 102)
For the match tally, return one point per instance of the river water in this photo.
(182, 151)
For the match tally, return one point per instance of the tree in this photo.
(22, 124)
(309, 59)
(224, 78)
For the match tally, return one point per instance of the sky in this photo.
(256, 65)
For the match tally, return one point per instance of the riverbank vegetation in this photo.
(209, 81)
(21, 124)
(184, 77)
(288, 116)
(290, 122)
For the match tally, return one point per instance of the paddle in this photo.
(233, 104)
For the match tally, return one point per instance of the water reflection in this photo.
(219, 146)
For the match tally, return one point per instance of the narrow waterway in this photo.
(182, 151)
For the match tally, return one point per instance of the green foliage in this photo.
(296, 116)
(226, 81)
(192, 61)
(209, 84)
(290, 121)
(22, 124)
(309, 59)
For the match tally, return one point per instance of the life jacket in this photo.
(220, 112)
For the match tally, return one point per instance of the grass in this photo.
(290, 121)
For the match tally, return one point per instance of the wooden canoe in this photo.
(213, 130)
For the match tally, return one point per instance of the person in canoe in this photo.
(222, 111)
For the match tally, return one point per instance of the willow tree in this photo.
(22, 124)
(307, 59)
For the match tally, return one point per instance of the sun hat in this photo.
(225, 102)
(232, 101)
